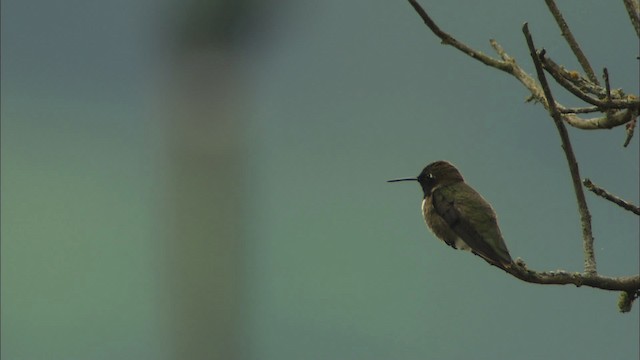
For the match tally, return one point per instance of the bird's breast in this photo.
(439, 226)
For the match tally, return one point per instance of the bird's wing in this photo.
(473, 220)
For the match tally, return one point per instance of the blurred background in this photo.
(206, 180)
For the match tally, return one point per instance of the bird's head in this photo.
(438, 173)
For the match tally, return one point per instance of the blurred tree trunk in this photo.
(206, 160)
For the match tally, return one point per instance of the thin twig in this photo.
(607, 195)
(629, 128)
(573, 44)
(633, 8)
(585, 216)
(576, 79)
(450, 40)
(554, 70)
(607, 86)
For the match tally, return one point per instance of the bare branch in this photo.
(509, 65)
(604, 122)
(630, 127)
(633, 8)
(585, 216)
(450, 40)
(607, 195)
(576, 79)
(628, 285)
(568, 82)
(584, 110)
(573, 44)
(560, 277)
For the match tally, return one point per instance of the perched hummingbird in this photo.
(458, 215)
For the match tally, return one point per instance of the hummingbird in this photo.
(458, 215)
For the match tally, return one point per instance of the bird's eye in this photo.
(430, 176)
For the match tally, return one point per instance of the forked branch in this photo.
(626, 107)
(617, 109)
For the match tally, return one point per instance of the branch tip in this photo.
(608, 196)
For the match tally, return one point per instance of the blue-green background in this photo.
(335, 97)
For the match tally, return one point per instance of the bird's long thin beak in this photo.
(403, 179)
